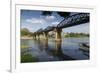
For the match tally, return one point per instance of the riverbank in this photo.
(26, 37)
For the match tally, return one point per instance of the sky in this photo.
(34, 20)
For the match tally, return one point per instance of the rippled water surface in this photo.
(42, 50)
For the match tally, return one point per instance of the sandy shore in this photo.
(25, 37)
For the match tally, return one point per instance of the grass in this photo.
(24, 46)
(28, 58)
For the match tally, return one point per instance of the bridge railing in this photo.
(77, 18)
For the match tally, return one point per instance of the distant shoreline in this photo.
(26, 37)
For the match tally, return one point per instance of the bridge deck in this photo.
(73, 20)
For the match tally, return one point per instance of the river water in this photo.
(43, 51)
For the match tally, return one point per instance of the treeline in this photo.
(26, 32)
(76, 34)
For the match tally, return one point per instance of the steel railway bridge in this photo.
(73, 20)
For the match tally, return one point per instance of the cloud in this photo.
(36, 20)
(55, 23)
(42, 20)
(50, 17)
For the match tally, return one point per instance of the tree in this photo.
(25, 31)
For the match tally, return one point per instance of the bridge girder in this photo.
(73, 20)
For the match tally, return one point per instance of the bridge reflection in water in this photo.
(56, 51)
(50, 50)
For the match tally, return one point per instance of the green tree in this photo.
(25, 32)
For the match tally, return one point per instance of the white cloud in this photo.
(55, 23)
(42, 20)
(50, 17)
(36, 21)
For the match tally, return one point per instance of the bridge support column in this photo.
(34, 36)
(58, 34)
(37, 36)
(45, 35)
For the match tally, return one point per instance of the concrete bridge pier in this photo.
(58, 34)
(37, 37)
(34, 36)
(45, 35)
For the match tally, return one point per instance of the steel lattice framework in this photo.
(72, 20)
